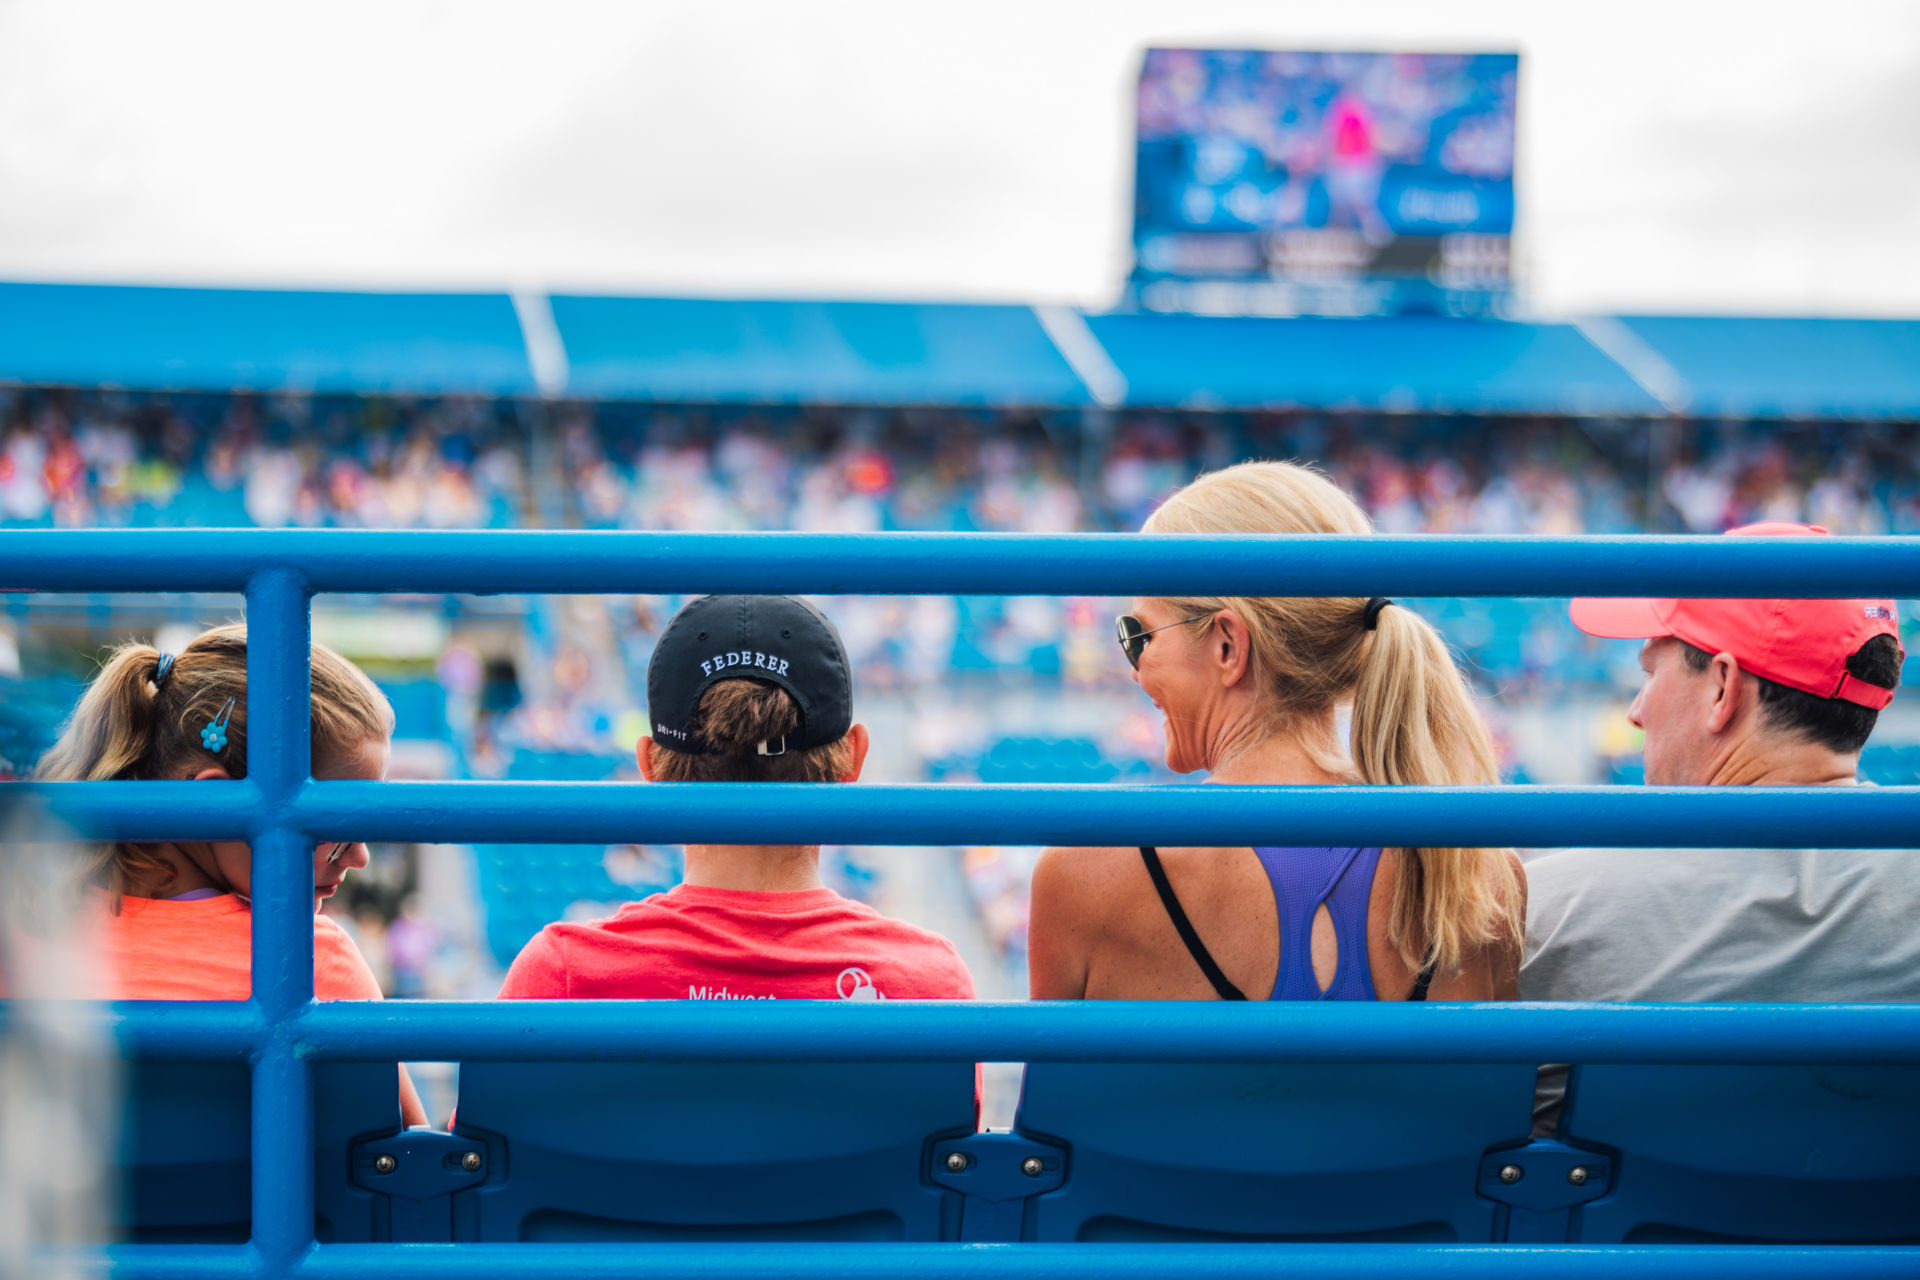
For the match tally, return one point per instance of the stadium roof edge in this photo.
(617, 347)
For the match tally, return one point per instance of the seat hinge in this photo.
(416, 1173)
(1541, 1183)
(997, 1173)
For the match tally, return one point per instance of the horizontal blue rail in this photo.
(872, 814)
(1025, 1262)
(498, 561)
(1089, 1031)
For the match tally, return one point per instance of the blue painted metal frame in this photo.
(281, 1031)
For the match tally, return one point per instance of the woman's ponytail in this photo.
(1414, 724)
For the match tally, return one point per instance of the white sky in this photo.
(1676, 155)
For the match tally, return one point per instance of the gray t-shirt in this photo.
(1720, 924)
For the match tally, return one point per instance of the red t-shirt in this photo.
(695, 943)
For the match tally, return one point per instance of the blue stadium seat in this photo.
(1825, 1154)
(524, 887)
(1891, 764)
(186, 1159)
(419, 709)
(1272, 1152)
(528, 765)
(711, 1151)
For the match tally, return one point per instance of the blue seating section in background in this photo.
(524, 887)
(1040, 760)
(1891, 764)
(419, 709)
(31, 713)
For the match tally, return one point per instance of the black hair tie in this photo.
(1371, 620)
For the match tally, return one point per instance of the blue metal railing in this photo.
(282, 812)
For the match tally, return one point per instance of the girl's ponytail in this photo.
(110, 736)
(111, 732)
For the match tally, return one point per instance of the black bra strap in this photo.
(1225, 989)
(1421, 983)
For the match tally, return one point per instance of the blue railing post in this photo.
(279, 715)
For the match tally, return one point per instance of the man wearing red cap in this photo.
(1742, 693)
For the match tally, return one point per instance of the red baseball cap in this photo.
(1803, 644)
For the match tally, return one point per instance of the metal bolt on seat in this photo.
(1577, 1175)
(385, 1164)
(956, 1162)
(470, 1162)
(1510, 1173)
(1032, 1167)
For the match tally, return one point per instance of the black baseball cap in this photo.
(782, 640)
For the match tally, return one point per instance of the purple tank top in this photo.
(1302, 880)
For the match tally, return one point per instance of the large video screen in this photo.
(1318, 167)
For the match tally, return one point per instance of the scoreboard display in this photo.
(1369, 176)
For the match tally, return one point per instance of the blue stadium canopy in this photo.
(829, 352)
(211, 339)
(1790, 368)
(1392, 362)
(692, 350)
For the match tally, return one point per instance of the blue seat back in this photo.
(1271, 1152)
(187, 1164)
(1811, 1154)
(710, 1151)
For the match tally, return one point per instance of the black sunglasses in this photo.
(1133, 636)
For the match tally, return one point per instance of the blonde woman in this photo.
(174, 921)
(1251, 689)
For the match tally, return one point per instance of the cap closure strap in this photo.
(1862, 693)
(772, 746)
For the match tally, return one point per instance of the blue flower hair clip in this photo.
(214, 736)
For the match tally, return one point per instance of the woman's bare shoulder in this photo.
(1081, 875)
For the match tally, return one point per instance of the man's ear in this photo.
(643, 756)
(858, 737)
(214, 772)
(1728, 691)
(1230, 647)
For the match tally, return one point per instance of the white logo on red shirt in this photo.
(857, 984)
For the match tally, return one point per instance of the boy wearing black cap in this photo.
(745, 689)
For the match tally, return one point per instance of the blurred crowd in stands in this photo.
(101, 458)
(73, 459)
(560, 690)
